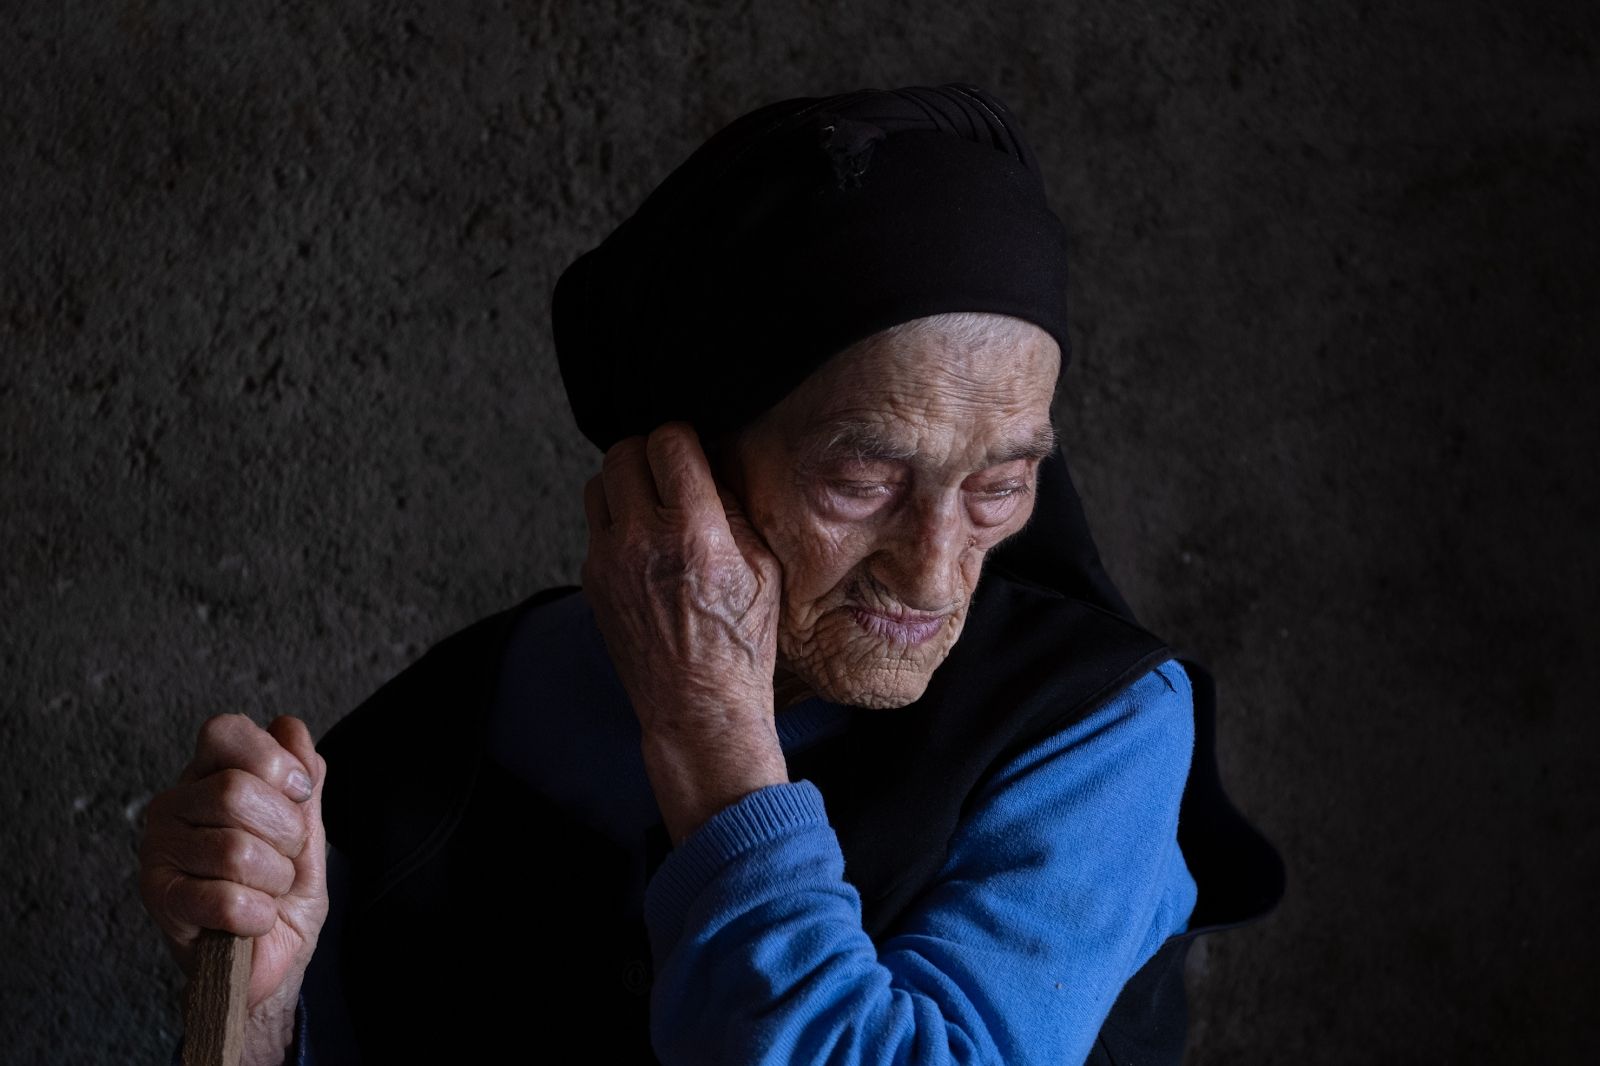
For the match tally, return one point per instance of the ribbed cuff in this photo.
(765, 815)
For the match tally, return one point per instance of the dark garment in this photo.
(440, 887)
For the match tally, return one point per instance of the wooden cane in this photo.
(213, 1024)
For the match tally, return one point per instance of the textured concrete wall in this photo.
(280, 409)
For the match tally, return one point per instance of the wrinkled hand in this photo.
(686, 595)
(238, 845)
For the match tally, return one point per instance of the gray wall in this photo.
(280, 409)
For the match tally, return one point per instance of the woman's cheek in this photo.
(817, 556)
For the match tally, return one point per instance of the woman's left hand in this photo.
(686, 595)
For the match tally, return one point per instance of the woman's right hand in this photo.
(238, 845)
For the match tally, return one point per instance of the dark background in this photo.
(280, 409)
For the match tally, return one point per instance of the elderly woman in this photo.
(847, 750)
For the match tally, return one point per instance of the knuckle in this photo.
(164, 900)
(236, 909)
(173, 898)
(236, 855)
(637, 541)
(625, 450)
(235, 789)
(662, 438)
(220, 728)
(273, 765)
(297, 736)
(290, 722)
(701, 530)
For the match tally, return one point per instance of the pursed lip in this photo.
(906, 627)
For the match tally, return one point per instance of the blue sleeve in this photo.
(1065, 878)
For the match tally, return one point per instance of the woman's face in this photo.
(880, 484)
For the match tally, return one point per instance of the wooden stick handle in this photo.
(213, 1032)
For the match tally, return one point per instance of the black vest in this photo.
(451, 854)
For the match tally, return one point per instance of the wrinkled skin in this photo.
(893, 535)
(834, 550)
(238, 845)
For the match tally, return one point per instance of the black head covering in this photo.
(800, 228)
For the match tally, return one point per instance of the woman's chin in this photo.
(878, 694)
(874, 676)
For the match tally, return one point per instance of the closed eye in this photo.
(997, 492)
(1007, 479)
(862, 490)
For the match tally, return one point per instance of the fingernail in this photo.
(299, 785)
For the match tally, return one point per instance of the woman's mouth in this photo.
(905, 628)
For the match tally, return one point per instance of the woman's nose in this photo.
(922, 567)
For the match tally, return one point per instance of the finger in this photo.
(594, 506)
(191, 904)
(210, 853)
(234, 742)
(680, 469)
(294, 737)
(625, 473)
(234, 799)
(752, 545)
(310, 865)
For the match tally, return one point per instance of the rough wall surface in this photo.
(280, 409)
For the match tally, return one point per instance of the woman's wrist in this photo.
(695, 777)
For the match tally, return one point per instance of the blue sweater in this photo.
(1063, 881)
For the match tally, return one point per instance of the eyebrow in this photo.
(867, 442)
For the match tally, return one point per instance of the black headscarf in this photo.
(800, 228)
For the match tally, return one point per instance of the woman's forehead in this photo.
(1006, 437)
(918, 371)
(968, 389)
